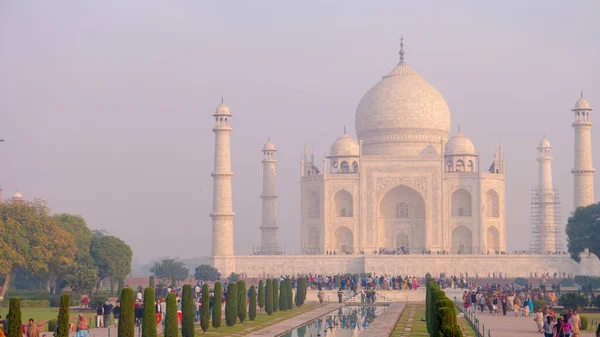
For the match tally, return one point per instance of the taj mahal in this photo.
(408, 196)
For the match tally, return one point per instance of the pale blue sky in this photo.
(106, 106)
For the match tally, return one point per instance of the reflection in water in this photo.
(346, 322)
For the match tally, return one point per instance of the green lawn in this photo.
(592, 317)
(43, 315)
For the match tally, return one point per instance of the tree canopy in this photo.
(170, 269)
(205, 272)
(112, 255)
(583, 231)
(76, 225)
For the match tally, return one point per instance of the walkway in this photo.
(287, 325)
(384, 324)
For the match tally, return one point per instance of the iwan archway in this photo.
(401, 221)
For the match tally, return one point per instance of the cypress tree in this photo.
(252, 308)
(218, 299)
(205, 311)
(300, 291)
(289, 301)
(188, 312)
(149, 320)
(269, 297)
(231, 304)
(14, 318)
(261, 295)
(242, 300)
(152, 283)
(275, 296)
(171, 318)
(282, 297)
(62, 329)
(126, 319)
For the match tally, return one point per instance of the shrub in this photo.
(261, 295)
(188, 312)
(289, 293)
(269, 297)
(241, 301)
(566, 282)
(252, 307)
(233, 277)
(149, 319)
(275, 295)
(98, 300)
(300, 291)
(218, 299)
(171, 316)
(584, 322)
(126, 319)
(205, 313)
(62, 329)
(521, 281)
(338, 281)
(14, 318)
(538, 304)
(231, 304)
(52, 324)
(282, 297)
(573, 301)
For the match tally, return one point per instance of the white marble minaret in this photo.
(583, 172)
(269, 225)
(222, 211)
(546, 224)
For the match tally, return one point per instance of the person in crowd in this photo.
(82, 327)
(548, 327)
(2, 327)
(566, 325)
(99, 315)
(320, 295)
(340, 294)
(117, 313)
(538, 318)
(32, 329)
(106, 309)
(575, 323)
(559, 330)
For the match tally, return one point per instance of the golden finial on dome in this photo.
(401, 48)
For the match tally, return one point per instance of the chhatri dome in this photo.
(17, 196)
(222, 109)
(269, 146)
(582, 103)
(402, 107)
(345, 146)
(544, 143)
(459, 144)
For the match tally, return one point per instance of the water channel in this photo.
(347, 321)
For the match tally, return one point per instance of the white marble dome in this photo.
(345, 146)
(269, 146)
(222, 109)
(459, 144)
(545, 143)
(402, 100)
(17, 196)
(582, 103)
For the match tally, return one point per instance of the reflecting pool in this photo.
(347, 321)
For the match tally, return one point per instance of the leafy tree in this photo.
(218, 299)
(31, 241)
(62, 329)
(76, 225)
(188, 311)
(241, 302)
(171, 318)
(205, 313)
(261, 295)
(269, 297)
(233, 277)
(113, 257)
(149, 319)
(275, 296)
(521, 281)
(126, 319)
(583, 231)
(205, 272)
(573, 301)
(14, 318)
(82, 277)
(231, 304)
(169, 269)
(252, 307)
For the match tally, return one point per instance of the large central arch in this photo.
(343, 240)
(402, 210)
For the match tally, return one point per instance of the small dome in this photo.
(459, 144)
(17, 196)
(222, 109)
(545, 143)
(269, 146)
(582, 103)
(344, 146)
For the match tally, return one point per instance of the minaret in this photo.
(222, 211)
(546, 224)
(269, 225)
(583, 172)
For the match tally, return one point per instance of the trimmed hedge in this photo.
(149, 319)
(252, 307)
(261, 295)
(205, 311)
(231, 304)
(14, 318)
(52, 324)
(584, 322)
(275, 295)
(440, 313)
(62, 328)
(241, 301)
(218, 299)
(188, 312)
(269, 297)
(126, 319)
(30, 303)
(300, 291)
(171, 317)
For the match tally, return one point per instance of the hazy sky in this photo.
(106, 105)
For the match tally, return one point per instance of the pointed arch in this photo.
(355, 167)
(343, 240)
(314, 205)
(470, 166)
(345, 168)
(460, 165)
(462, 240)
(492, 239)
(461, 203)
(343, 204)
(492, 204)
